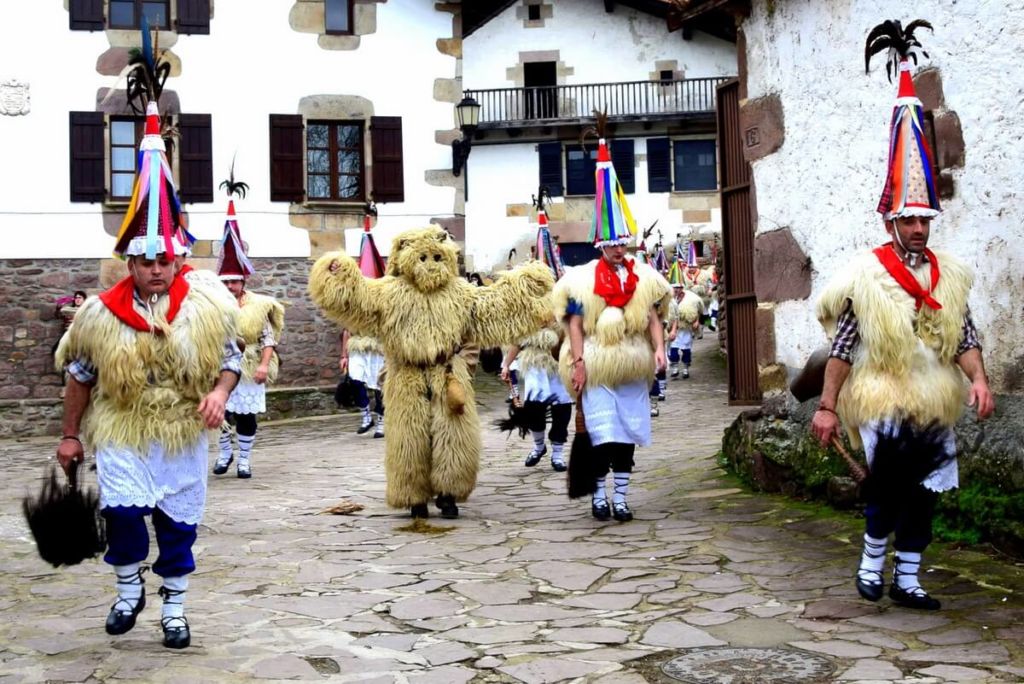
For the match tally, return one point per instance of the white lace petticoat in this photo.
(248, 397)
(544, 386)
(176, 483)
(618, 414)
(365, 367)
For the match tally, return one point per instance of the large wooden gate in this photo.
(737, 251)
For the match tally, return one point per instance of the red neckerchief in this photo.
(120, 300)
(610, 287)
(902, 275)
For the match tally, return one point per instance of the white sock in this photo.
(662, 385)
(905, 567)
(556, 452)
(538, 440)
(129, 586)
(621, 481)
(245, 448)
(225, 443)
(174, 597)
(872, 559)
(599, 494)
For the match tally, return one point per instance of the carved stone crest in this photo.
(14, 98)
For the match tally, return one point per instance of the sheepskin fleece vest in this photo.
(904, 365)
(148, 385)
(673, 313)
(362, 344)
(690, 307)
(535, 350)
(616, 341)
(257, 309)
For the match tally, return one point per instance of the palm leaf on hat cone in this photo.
(65, 520)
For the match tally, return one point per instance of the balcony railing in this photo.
(624, 101)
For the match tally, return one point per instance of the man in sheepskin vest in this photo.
(151, 362)
(613, 308)
(260, 324)
(901, 335)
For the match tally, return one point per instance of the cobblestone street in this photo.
(524, 587)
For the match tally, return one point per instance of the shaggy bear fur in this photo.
(423, 313)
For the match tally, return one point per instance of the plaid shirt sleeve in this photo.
(969, 337)
(267, 336)
(847, 335)
(83, 371)
(232, 358)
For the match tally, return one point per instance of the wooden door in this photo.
(737, 251)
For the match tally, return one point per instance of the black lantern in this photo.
(468, 114)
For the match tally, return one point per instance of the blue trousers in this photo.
(908, 515)
(673, 355)
(363, 398)
(128, 540)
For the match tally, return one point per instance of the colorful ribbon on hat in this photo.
(612, 221)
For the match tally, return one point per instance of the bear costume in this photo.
(423, 314)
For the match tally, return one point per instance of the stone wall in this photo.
(771, 448)
(29, 328)
(818, 150)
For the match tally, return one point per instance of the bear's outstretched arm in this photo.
(514, 307)
(346, 296)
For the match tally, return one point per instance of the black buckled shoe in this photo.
(446, 502)
(621, 512)
(420, 510)
(119, 620)
(176, 632)
(221, 467)
(600, 510)
(559, 466)
(916, 598)
(533, 458)
(870, 589)
(122, 615)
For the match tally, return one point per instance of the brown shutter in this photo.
(195, 154)
(194, 17)
(86, 15)
(286, 158)
(88, 177)
(388, 169)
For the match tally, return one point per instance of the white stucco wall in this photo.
(252, 65)
(600, 47)
(508, 174)
(825, 181)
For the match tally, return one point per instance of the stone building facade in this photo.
(392, 76)
(815, 127)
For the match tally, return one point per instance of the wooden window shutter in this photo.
(88, 158)
(622, 160)
(195, 156)
(286, 158)
(659, 165)
(388, 167)
(86, 15)
(194, 17)
(550, 161)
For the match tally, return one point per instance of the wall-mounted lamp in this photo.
(468, 113)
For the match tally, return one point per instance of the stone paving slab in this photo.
(525, 587)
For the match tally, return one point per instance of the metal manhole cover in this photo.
(748, 666)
